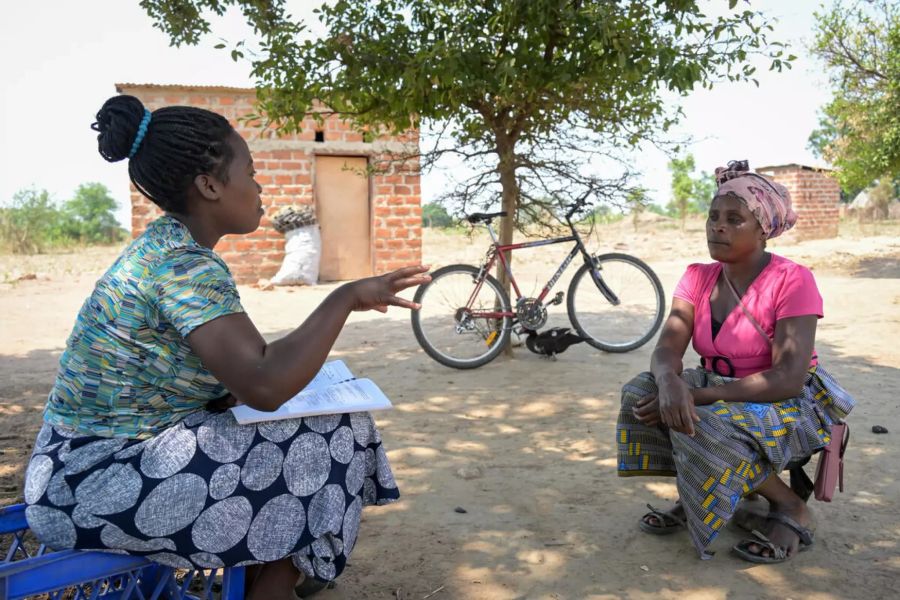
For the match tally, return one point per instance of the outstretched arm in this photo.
(265, 375)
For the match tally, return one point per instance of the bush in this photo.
(89, 217)
(881, 197)
(33, 222)
(435, 215)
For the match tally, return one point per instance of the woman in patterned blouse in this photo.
(136, 453)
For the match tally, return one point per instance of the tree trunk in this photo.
(509, 203)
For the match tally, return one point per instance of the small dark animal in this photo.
(551, 342)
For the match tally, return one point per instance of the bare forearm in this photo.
(773, 385)
(665, 363)
(291, 362)
(265, 375)
(791, 352)
(269, 374)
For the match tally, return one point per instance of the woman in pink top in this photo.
(759, 403)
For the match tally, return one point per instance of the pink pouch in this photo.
(830, 472)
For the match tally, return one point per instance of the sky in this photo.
(61, 61)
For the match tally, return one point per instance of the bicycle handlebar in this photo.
(574, 208)
(476, 218)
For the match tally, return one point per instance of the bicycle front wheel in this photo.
(622, 309)
(464, 322)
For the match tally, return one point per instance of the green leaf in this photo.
(539, 83)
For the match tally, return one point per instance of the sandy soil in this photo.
(525, 445)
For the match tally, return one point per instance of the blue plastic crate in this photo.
(90, 575)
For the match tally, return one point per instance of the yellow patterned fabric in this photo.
(127, 370)
(736, 445)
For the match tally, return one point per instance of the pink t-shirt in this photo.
(782, 289)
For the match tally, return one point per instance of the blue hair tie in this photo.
(141, 132)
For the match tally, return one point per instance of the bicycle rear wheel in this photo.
(616, 327)
(453, 326)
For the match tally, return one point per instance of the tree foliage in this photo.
(859, 130)
(682, 185)
(881, 196)
(435, 215)
(637, 202)
(33, 222)
(89, 216)
(704, 190)
(690, 195)
(533, 94)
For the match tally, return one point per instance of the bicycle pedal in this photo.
(557, 299)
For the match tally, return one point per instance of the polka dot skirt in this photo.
(208, 492)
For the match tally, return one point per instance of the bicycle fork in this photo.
(601, 284)
(595, 270)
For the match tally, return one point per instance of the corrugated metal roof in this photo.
(184, 88)
(796, 166)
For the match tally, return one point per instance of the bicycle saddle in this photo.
(484, 217)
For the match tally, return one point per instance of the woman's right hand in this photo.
(377, 293)
(676, 405)
(646, 410)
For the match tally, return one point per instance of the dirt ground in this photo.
(525, 445)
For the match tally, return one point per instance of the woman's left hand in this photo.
(377, 293)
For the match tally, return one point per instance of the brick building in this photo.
(370, 221)
(815, 195)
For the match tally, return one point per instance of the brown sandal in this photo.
(778, 553)
(668, 523)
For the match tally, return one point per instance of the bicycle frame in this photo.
(469, 318)
(498, 250)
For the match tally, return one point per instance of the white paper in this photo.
(332, 391)
(331, 372)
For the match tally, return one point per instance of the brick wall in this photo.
(816, 197)
(285, 167)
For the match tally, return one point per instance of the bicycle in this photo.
(615, 302)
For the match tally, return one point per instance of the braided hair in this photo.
(181, 142)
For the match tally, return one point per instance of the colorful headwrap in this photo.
(769, 202)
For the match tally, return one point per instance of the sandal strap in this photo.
(667, 519)
(803, 533)
(778, 553)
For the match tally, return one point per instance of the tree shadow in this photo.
(878, 267)
(525, 446)
(25, 381)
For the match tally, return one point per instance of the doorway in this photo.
(344, 214)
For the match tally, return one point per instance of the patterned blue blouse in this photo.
(127, 370)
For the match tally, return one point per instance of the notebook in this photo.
(333, 390)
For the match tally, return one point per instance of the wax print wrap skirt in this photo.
(736, 445)
(209, 492)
